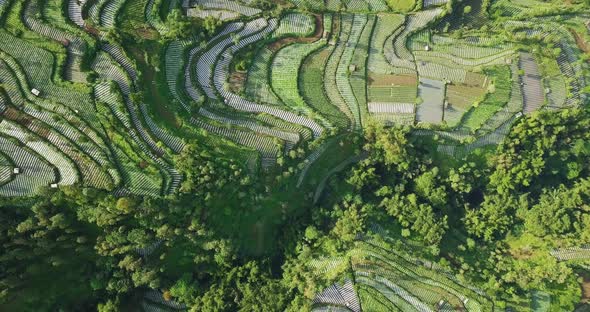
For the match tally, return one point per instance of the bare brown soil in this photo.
(463, 96)
(27, 122)
(147, 33)
(582, 44)
(318, 34)
(476, 80)
(237, 80)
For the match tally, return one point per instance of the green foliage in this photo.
(210, 24)
(394, 159)
(493, 218)
(181, 27)
(43, 243)
(264, 5)
(539, 150)
(561, 211)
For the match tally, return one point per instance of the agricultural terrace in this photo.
(387, 281)
(152, 97)
(265, 85)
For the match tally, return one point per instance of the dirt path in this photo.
(318, 34)
(580, 42)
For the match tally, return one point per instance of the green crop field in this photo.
(401, 5)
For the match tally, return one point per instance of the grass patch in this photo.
(339, 150)
(401, 5)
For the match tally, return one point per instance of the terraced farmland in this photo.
(228, 127)
(386, 279)
(311, 73)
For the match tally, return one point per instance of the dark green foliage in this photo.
(405, 186)
(181, 27)
(544, 149)
(210, 24)
(265, 5)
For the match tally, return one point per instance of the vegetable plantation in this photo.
(172, 98)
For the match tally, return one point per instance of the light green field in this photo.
(401, 5)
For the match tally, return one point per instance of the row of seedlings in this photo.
(174, 65)
(333, 64)
(75, 12)
(338, 295)
(67, 171)
(192, 68)
(258, 86)
(358, 69)
(63, 117)
(80, 143)
(391, 97)
(431, 3)
(290, 138)
(467, 48)
(225, 5)
(92, 173)
(169, 140)
(108, 12)
(512, 108)
(285, 75)
(531, 82)
(95, 10)
(312, 85)
(295, 24)
(152, 16)
(45, 125)
(375, 261)
(37, 64)
(386, 26)
(222, 15)
(571, 253)
(225, 49)
(401, 56)
(74, 45)
(135, 170)
(287, 116)
(345, 68)
(252, 32)
(107, 70)
(6, 170)
(263, 144)
(30, 171)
